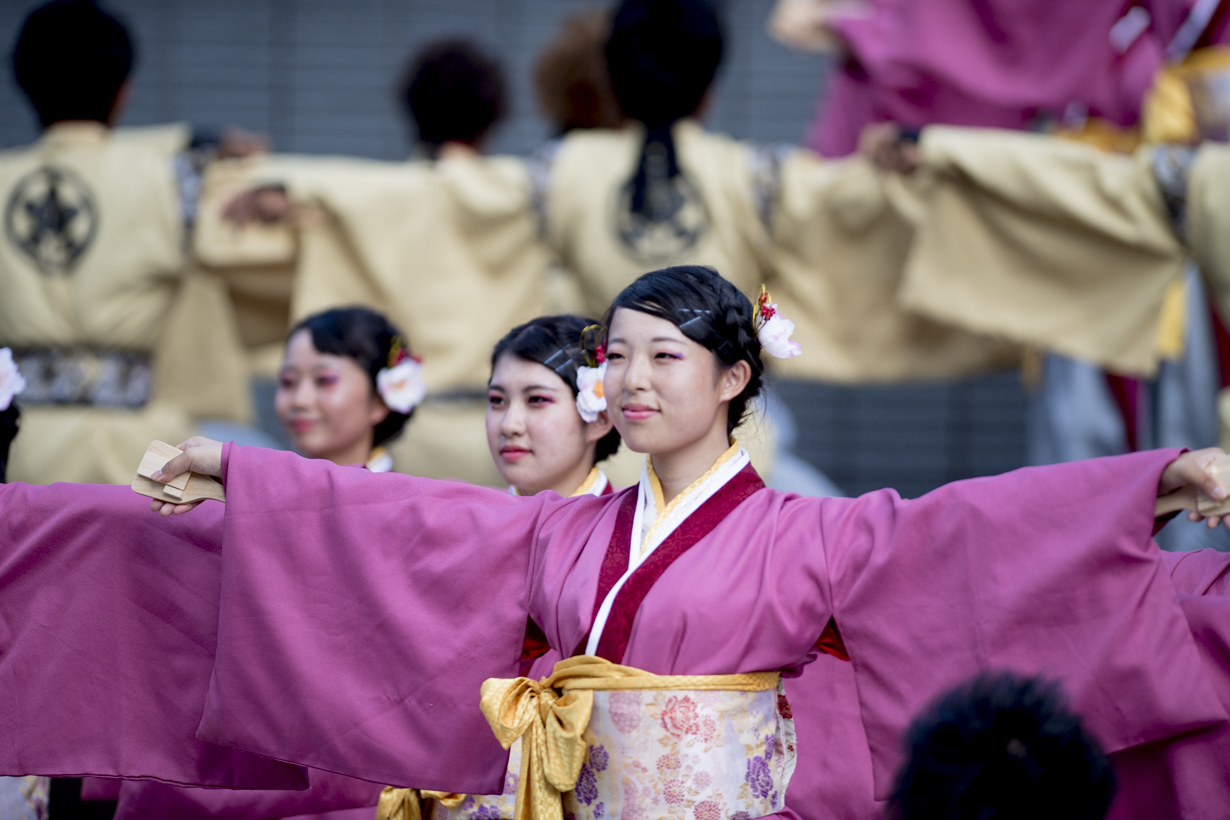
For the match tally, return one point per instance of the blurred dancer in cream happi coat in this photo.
(92, 265)
(446, 245)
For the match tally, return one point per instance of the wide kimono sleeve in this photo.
(360, 615)
(1199, 572)
(1047, 243)
(108, 622)
(1046, 570)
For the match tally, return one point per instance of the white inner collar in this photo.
(644, 520)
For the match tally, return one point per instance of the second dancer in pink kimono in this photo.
(547, 429)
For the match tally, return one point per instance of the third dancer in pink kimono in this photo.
(548, 430)
(683, 600)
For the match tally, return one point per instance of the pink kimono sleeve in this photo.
(360, 615)
(1199, 572)
(1049, 571)
(108, 622)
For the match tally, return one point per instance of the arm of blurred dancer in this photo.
(1185, 478)
(266, 205)
(804, 24)
(890, 147)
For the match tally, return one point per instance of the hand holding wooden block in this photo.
(185, 488)
(1207, 506)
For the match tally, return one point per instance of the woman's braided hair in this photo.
(710, 311)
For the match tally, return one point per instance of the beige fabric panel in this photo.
(167, 139)
(447, 440)
(1043, 242)
(1208, 220)
(91, 446)
(587, 176)
(200, 364)
(118, 292)
(840, 246)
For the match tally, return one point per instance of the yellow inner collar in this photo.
(587, 484)
(662, 508)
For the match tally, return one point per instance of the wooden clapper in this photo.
(183, 489)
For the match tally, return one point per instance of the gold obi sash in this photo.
(551, 717)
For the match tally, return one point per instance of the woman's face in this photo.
(537, 438)
(664, 391)
(326, 403)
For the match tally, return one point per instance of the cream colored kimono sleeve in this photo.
(839, 247)
(1044, 242)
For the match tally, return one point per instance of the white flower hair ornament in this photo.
(590, 397)
(401, 384)
(773, 329)
(11, 382)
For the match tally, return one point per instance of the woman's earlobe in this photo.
(738, 375)
(599, 427)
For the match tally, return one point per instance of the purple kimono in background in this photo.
(371, 669)
(979, 574)
(330, 797)
(991, 63)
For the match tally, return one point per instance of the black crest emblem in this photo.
(51, 218)
(673, 221)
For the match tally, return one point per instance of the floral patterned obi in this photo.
(685, 755)
(681, 754)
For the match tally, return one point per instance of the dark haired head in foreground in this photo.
(72, 60)
(711, 312)
(1002, 747)
(455, 92)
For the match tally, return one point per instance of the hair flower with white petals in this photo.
(773, 329)
(11, 382)
(401, 384)
(590, 399)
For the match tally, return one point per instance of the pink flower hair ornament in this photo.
(773, 329)
(591, 399)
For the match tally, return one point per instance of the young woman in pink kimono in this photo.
(335, 401)
(548, 430)
(294, 651)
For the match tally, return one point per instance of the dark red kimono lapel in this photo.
(618, 629)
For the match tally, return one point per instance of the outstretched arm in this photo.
(359, 615)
